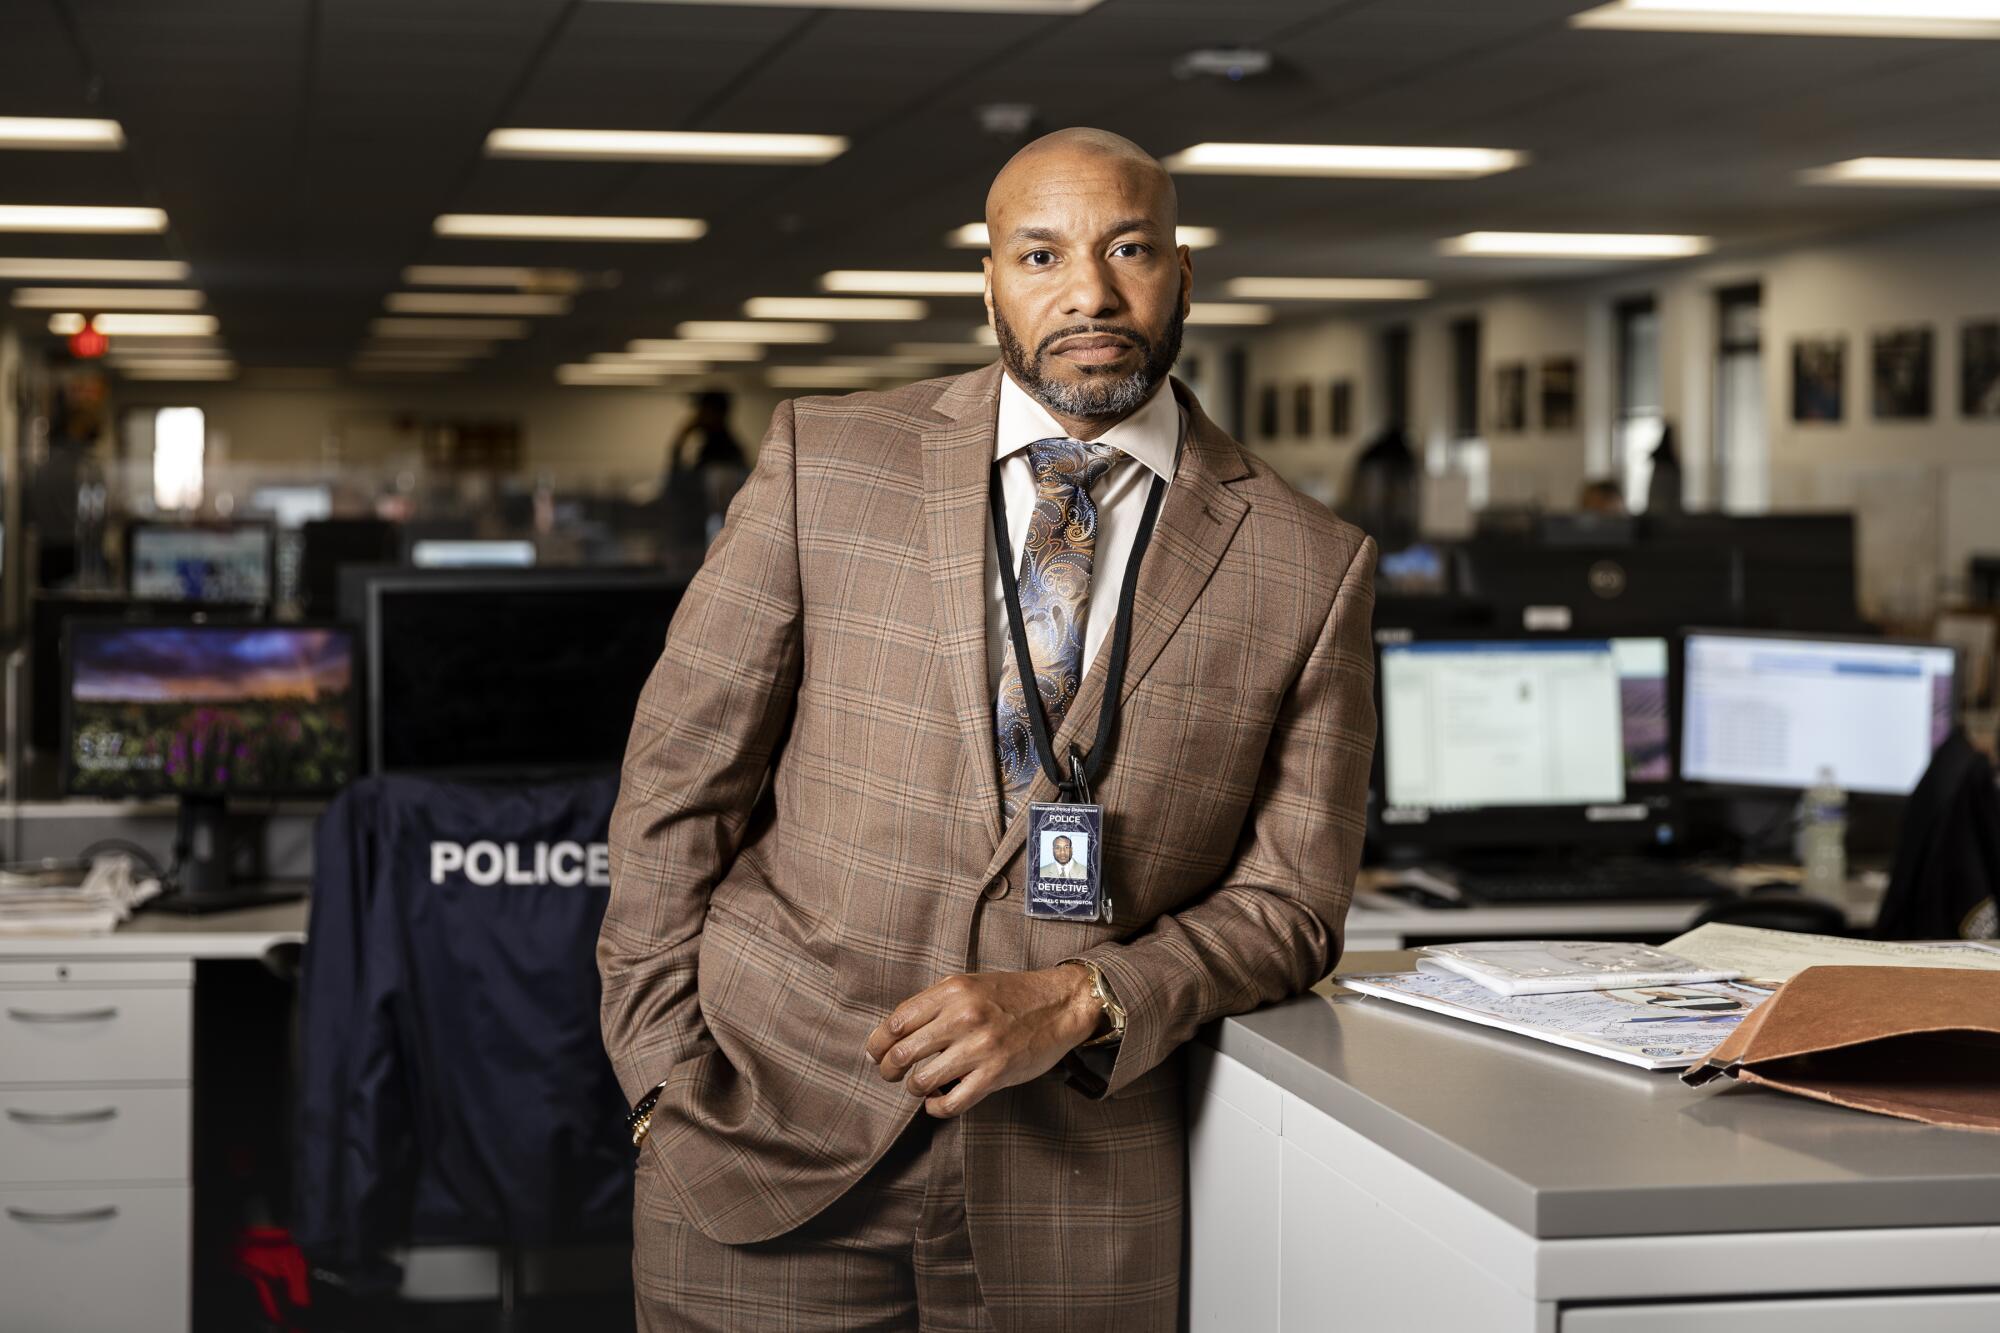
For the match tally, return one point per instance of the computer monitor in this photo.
(438, 553)
(1604, 590)
(206, 713)
(48, 615)
(199, 562)
(1797, 571)
(328, 545)
(507, 672)
(1770, 711)
(1525, 742)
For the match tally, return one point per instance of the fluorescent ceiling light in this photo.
(888, 365)
(407, 368)
(832, 307)
(107, 298)
(971, 354)
(1225, 312)
(449, 328)
(973, 236)
(1823, 18)
(936, 6)
(693, 349)
(650, 365)
(135, 326)
(521, 226)
(165, 363)
(823, 377)
(903, 282)
(559, 280)
(754, 330)
(1329, 289)
(1327, 159)
(1576, 245)
(424, 351)
(98, 221)
(664, 146)
(223, 371)
(983, 333)
(1949, 173)
(77, 135)
(93, 270)
(168, 349)
(475, 303)
(604, 373)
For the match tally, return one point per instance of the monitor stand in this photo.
(204, 855)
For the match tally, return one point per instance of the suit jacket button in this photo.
(997, 889)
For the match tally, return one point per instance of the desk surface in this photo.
(1562, 1144)
(249, 932)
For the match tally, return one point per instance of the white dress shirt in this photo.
(1151, 440)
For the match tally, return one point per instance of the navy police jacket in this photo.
(454, 1085)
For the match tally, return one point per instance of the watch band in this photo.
(1114, 1012)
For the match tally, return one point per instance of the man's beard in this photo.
(1101, 393)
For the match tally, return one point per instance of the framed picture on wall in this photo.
(1267, 412)
(1819, 378)
(1302, 410)
(1559, 393)
(1340, 408)
(1903, 374)
(1979, 368)
(1510, 397)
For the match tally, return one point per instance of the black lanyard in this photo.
(1081, 775)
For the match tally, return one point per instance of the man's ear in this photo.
(986, 289)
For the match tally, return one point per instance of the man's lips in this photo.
(1093, 348)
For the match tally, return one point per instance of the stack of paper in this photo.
(96, 906)
(1653, 1027)
(1774, 956)
(1549, 967)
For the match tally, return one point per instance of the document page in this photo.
(1774, 956)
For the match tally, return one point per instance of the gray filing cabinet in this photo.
(95, 1068)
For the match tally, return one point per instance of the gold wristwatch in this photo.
(1100, 991)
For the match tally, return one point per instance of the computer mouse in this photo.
(1420, 895)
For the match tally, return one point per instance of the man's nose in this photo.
(1091, 293)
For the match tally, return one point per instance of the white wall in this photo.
(1927, 493)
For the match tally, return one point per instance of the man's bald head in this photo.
(1058, 155)
(1086, 286)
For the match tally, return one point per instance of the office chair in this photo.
(1775, 907)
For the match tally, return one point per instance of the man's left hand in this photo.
(973, 1035)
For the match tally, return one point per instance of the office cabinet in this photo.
(95, 1104)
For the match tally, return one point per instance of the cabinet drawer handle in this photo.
(104, 1214)
(73, 1016)
(91, 1117)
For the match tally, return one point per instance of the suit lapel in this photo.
(957, 462)
(1198, 519)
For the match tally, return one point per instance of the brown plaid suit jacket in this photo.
(809, 831)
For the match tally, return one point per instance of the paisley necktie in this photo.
(1056, 560)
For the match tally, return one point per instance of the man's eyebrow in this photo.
(1035, 234)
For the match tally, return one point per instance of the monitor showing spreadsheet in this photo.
(1772, 711)
(1475, 725)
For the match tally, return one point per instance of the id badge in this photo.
(1065, 862)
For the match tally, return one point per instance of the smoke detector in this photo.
(1234, 63)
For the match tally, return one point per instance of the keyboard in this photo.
(1617, 881)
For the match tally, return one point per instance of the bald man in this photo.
(885, 1073)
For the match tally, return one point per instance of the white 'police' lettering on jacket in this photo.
(565, 864)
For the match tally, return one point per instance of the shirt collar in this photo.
(1152, 434)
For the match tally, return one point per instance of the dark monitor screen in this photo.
(1522, 740)
(328, 544)
(1774, 711)
(208, 710)
(1798, 570)
(1605, 590)
(509, 671)
(200, 562)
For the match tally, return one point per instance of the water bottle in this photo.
(1822, 839)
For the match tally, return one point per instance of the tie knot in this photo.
(1063, 464)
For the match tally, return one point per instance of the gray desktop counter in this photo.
(1354, 1162)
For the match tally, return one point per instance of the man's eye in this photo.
(1038, 258)
(1130, 250)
